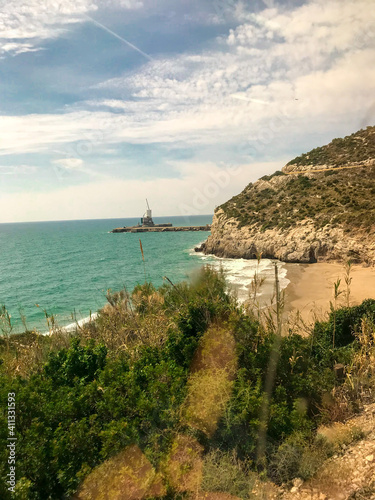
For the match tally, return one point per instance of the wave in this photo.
(72, 327)
(240, 273)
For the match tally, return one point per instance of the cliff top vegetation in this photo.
(340, 197)
(357, 147)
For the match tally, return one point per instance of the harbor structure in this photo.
(147, 225)
(146, 220)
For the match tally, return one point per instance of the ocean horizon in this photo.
(65, 268)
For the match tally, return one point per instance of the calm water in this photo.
(68, 266)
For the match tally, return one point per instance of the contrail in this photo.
(241, 97)
(119, 37)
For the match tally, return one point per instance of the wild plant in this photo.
(333, 306)
(348, 281)
(257, 281)
(6, 325)
(253, 306)
(223, 471)
(361, 372)
(276, 328)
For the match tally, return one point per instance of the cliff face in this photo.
(302, 243)
(309, 212)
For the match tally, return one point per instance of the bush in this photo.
(348, 322)
(298, 456)
(90, 400)
(79, 364)
(224, 472)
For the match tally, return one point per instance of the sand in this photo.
(311, 288)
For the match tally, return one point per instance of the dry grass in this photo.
(361, 373)
(183, 469)
(211, 380)
(334, 480)
(215, 496)
(127, 476)
(208, 394)
(216, 351)
(23, 354)
(123, 324)
(359, 387)
(127, 322)
(339, 434)
(223, 472)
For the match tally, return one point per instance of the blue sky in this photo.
(106, 102)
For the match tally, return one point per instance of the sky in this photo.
(106, 102)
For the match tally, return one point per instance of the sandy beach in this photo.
(311, 287)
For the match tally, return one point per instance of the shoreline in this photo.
(240, 272)
(311, 288)
(308, 289)
(72, 327)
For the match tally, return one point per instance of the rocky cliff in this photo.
(308, 212)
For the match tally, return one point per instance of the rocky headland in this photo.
(320, 207)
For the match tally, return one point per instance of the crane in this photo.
(147, 218)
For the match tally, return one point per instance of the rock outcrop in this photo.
(297, 168)
(309, 212)
(302, 243)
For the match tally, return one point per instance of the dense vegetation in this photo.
(344, 198)
(356, 147)
(122, 380)
(341, 198)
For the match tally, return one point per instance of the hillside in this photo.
(357, 148)
(321, 206)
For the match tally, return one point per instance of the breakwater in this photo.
(160, 229)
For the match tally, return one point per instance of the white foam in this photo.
(240, 273)
(72, 327)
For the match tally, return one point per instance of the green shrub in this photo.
(348, 321)
(89, 400)
(78, 364)
(285, 461)
(224, 472)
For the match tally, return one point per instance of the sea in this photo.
(65, 268)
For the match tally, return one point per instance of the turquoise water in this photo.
(67, 266)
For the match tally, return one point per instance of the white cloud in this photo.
(279, 78)
(17, 169)
(199, 189)
(66, 166)
(207, 100)
(124, 4)
(25, 23)
(17, 48)
(70, 163)
(309, 63)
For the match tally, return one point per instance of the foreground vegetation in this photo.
(128, 386)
